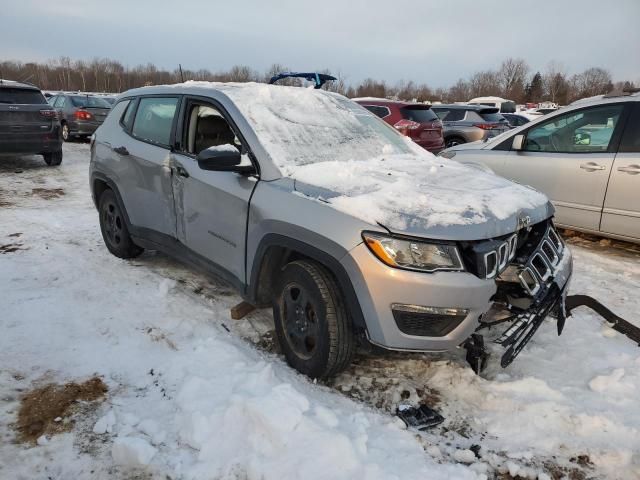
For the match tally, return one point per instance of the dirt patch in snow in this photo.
(47, 409)
(11, 247)
(48, 193)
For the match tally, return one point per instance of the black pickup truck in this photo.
(28, 124)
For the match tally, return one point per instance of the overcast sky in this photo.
(435, 42)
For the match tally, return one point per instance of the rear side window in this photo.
(418, 114)
(127, 117)
(631, 137)
(154, 119)
(21, 96)
(378, 110)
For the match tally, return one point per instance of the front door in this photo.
(569, 158)
(212, 207)
(621, 214)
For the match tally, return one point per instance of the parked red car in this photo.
(415, 120)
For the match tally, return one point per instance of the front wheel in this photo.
(53, 158)
(312, 324)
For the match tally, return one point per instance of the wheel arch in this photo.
(276, 250)
(99, 183)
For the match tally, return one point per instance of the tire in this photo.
(451, 141)
(312, 324)
(65, 132)
(53, 159)
(114, 227)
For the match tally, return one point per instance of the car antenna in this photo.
(181, 75)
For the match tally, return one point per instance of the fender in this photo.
(330, 262)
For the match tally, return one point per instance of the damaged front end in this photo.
(532, 270)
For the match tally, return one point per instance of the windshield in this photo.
(21, 96)
(299, 126)
(86, 101)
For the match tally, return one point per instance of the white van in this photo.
(505, 106)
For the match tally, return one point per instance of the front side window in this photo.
(154, 119)
(585, 131)
(206, 127)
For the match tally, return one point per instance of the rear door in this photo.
(142, 160)
(621, 214)
(569, 158)
(212, 207)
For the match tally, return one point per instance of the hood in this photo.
(423, 196)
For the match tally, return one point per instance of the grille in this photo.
(542, 265)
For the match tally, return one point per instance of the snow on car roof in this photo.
(326, 140)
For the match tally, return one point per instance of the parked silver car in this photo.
(586, 158)
(469, 123)
(308, 202)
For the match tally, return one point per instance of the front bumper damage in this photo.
(529, 291)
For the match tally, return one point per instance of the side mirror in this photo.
(582, 139)
(518, 142)
(221, 158)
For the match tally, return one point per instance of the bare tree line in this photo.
(513, 80)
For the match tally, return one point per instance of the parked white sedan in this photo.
(586, 158)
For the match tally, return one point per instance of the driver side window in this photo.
(206, 127)
(585, 131)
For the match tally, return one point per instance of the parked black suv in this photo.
(80, 113)
(28, 125)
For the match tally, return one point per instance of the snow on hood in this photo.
(373, 173)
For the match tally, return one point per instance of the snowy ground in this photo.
(193, 394)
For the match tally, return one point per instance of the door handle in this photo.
(121, 151)
(592, 167)
(630, 169)
(180, 170)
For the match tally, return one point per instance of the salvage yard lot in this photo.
(194, 394)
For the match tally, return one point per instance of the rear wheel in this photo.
(65, 132)
(53, 158)
(114, 228)
(452, 141)
(312, 324)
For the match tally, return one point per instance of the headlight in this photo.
(413, 255)
(449, 154)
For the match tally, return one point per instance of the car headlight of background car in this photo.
(413, 254)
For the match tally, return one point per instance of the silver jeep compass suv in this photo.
(306, 201)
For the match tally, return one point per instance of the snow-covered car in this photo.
(585, 157)
(306, 201)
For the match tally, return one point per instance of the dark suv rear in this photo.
(415, 120)
(28, 125)
(80, 113)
